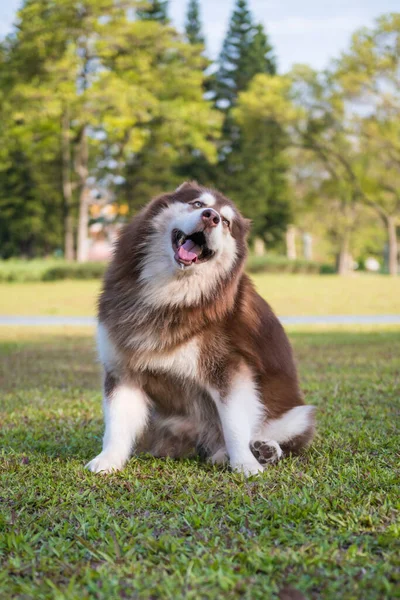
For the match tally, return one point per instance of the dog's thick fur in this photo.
(194, 359)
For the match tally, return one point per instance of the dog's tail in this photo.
(294, 430)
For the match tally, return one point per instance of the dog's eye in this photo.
(198, 204)
(225, 222)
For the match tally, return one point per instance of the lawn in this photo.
(325, 524)
(288, 294)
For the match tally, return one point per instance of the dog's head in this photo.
(189, 240)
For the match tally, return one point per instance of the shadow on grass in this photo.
(59, 362)
(62, 439)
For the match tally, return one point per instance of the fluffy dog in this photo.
(194, 359)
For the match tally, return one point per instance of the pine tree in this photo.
(254, 176)
(251, 169)
(245, 52)
(154, 10)
(261, 57)
(193, 25)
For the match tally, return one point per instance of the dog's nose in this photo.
(210, 217)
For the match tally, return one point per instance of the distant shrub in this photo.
(327, 269)
(48, 270)
(56, 270)
(75, 271)
(23, 270)
(281, 264)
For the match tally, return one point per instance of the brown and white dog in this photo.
(194, 359)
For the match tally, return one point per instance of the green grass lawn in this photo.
(325, 523)
(288, 295)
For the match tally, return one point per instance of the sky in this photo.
(301, 31)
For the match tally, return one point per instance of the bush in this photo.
(56, 270)
(48, 270)
(281, 264)
(75, 271)
(327, 269)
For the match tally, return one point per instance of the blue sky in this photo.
(308, 31)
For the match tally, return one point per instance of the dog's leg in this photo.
(240, 412)
(126, 410)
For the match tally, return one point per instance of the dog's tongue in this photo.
(185, 252)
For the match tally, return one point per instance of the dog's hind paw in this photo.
(105, 463)
(266, 452)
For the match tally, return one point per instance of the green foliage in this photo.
(252, 169)
(30, 203)
(245, 52)
(154, 10)
(75, 271)
(48, 270)
(92, 95)
(320, 523)
(112, 87)
(281, 264)
(193, 27)
(254, 173)
(368, 76)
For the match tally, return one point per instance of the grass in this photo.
(288, 295)
(325, 523)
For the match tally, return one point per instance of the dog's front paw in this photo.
(220, 457)
(248, 467)
(105, 463)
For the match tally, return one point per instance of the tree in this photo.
(251, 165)
(261, 57)
(30, 204)
(369, 77)
(307, 106)
(256, 172)
(111, 87)
(193, 27)
(320, 128)
(380, 183)
(30, 190)
(245, 52)
(154, 10)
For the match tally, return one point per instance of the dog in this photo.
(195, 361)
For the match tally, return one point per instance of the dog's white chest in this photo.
(181, 362)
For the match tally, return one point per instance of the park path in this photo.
(34, 321)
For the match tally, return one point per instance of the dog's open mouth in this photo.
(190, 249)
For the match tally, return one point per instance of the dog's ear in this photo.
(240, 228)
(247, 225)
(187, 185)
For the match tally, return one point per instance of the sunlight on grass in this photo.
(287, 294)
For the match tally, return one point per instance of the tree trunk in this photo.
(393, 246)
(83, 248)
(69, 252)
(307, 246)
(259, 247)
(344, 256)
(81, 167)
(291, 242)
